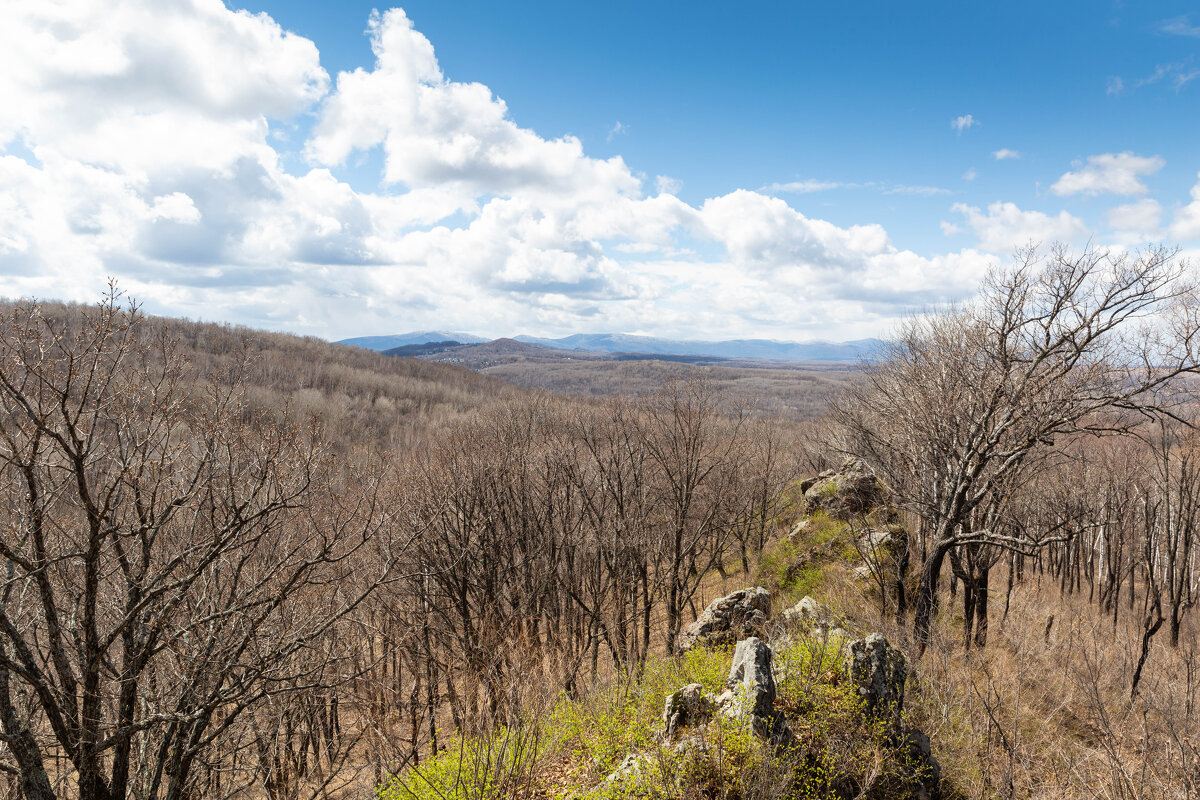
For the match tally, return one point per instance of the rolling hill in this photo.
(769, 349)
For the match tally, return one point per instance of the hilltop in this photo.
(792, 390)
(362, 396)
(744, 349)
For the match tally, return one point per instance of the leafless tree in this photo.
(698, 458)
(171, 557)
(1060, 344)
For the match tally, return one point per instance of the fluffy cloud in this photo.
(137, 87)
(1005, 227)
(960, 124)
(437, 132)
(156, 142)
(1137, 221)
(1186, 225)
(1004, 153)
(1109, 173)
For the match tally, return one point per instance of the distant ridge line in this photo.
(856, 350)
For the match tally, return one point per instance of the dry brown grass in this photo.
(797, 392)
(1039, 717)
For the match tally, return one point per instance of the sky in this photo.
(778, 170)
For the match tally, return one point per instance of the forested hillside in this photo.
(252, 565)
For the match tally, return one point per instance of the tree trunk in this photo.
(1153, 621)
(981, 607)
(931, 571)
(35, 785)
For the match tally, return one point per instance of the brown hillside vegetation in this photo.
(249, 565)
(361, 396)
(797, 391)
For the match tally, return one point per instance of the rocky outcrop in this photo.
(873, 666)
(879, 671)
(752, 684)
(849, 491)
(749, 695)
(929, 772)
(688, 707)
(814, 619)
(881, 543)
(808, 613)
(751, 670)
(727, 619)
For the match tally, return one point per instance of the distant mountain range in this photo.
(732, 348)
(416, 337)
(627, 343)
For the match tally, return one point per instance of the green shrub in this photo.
(601, 728)
(503, 763)
(724, 759)
(844, 750)
(828, 488)
(838, 751)
(796, 565)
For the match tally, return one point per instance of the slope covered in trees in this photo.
(250, 565)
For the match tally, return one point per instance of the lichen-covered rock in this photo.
(727, 619)
(879, 671)
(881, 542)
(846, 492)
(687, 707)
(807, 612)
(752, 684)
(751, 671)
(630, 767)
(929, 771)
(799, 529)
(815, 620)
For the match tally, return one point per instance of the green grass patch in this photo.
(602, 728)
(794, 566)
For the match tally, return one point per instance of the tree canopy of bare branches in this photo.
(966, 405)
(172, 559)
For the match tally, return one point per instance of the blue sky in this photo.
(725, 97)
(782, 170)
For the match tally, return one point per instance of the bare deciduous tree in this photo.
(1059, 344)
(172, 559)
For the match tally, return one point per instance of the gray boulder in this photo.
(882, 542)
(879, 671)
(799, 529)
(630, 767)
(751, 671)
(728, 619)
(752, 690)
(929, 771)
(687, 707)
(846, 492)
(815, 620)
(807, 613)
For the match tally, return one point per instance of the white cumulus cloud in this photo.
(1186, 225)
(1004, 227)
(1139, 220)
(157, 142)
(960, 124)
(436, 132)
(1109, 173)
